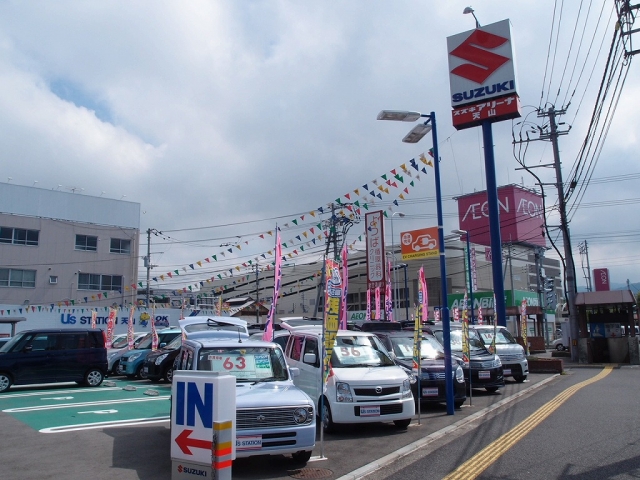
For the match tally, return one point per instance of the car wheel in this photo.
(116, 365)
(168, 374)
(519, 378)
(560, 347)
(5, 382)
(458, 404)
(491, 389)
(301, 457)
(93, 377)
(402, 424)
(140, 373)
(327, 419)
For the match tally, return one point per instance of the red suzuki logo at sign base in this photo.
(476, 49)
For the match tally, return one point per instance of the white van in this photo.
(364, 384)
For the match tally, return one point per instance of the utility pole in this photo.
(569, 267)
(147, 264)
(257, 293)
(584, 251)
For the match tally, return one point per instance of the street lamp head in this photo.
(471, 11)
(416, 133)
(400, 214)
(399, 115)
(460, 232)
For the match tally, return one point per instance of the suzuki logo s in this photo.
(476, 49)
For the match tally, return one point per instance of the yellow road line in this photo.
(482, 460)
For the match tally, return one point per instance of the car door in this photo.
(35, 360)
(70, 359)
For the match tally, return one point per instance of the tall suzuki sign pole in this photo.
(482, 77)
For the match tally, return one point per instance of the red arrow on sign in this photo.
(184, 442)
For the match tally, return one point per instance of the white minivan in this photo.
(364, 383)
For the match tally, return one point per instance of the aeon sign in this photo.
(521, 216)
(601, 279)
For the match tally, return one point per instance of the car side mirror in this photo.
(309, 358)
(294, 371)
(163, 344)
(27, 348)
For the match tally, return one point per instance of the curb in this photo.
(412, 447)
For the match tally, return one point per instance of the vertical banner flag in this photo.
(417, 337)
(492, 347)
(480, 321)
(345, 281)
(331, 314)
(219, 306)
(368, 317)
(130, 336)
(94, 317)
(466, 350)
(268, 328)
(456, 314)
(182, 309)
(110, 326)
(523, 322)
(154, 332)
(424, 301)
(388, 306)
(377, 303)
(436, 315)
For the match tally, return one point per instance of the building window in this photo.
(19, 236)
(10, 277)
(120, 246)
(87, 243)
(91, 281)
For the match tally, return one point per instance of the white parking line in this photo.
(84, 404)
(9, 396)
(93, 426)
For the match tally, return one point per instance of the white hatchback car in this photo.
(364, 384)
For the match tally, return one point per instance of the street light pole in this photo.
(414, 136)
(406, 290)
(393, 252)
(466, 234)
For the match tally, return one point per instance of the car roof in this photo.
(216, 318)
(213, 342)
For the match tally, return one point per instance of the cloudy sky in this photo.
(224, 119)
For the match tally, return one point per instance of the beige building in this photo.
(65, 247)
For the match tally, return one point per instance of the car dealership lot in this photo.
(108, 432)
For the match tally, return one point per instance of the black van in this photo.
(55, 355)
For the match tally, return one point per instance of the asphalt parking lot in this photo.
(72, 432)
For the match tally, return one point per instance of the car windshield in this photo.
(175, 343)
(475, 344)
(429, 348)
(352, 351)
(503, 336)
(9, 345)
(122, 341)
(246, 363)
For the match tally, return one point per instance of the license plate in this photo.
(507, 371)
(370, 411)
(249, 442)
(430, 392)
(484, 375)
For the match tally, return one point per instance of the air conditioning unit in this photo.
(53, 279)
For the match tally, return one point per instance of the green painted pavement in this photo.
(81, 407)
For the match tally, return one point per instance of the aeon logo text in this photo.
(476, 49)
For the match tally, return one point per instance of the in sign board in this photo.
(374, 230)
(482, 75)
(420, 243)
(198, 400)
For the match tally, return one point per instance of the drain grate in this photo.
(310, 473)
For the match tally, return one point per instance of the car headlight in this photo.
(343, 392)
(133, 356)
(496, 362)
(302, 414)
(161, 358)
(459, 375)
(412, 378)
(406, 388)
